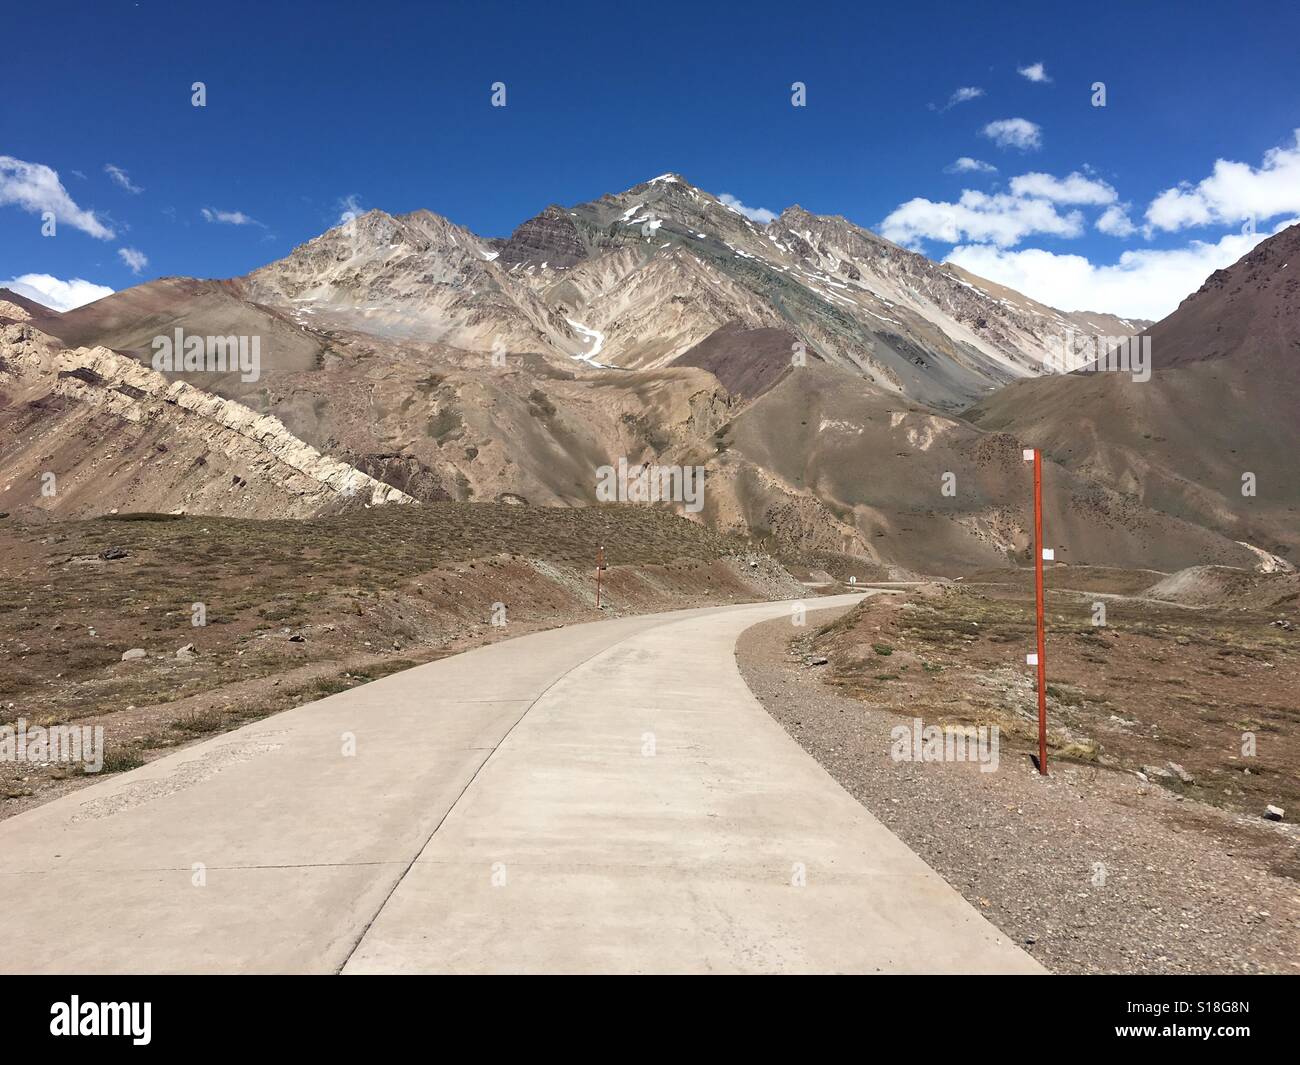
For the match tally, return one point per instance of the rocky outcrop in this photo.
(19, 308)
(13, 312)
(183, 420)
(551, 238)
(407, 473)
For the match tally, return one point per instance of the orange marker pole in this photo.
(1038, 608)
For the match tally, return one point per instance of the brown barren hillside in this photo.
(825, 462)
(1221, 404)
(746, 361)
(1249, 312)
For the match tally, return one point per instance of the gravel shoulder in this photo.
(1090, 869)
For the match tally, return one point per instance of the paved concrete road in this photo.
(605, 797)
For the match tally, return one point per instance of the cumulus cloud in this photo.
(1234, 192)
(135, 259)
(121, 178)
(754, 214)
(967, 165)
(35, 187)
(229, 218)
(1115, 222)
(1015, 133)
(1076, 188)
(1032, 204)
(1000, 219)
(1034, 72)
(55, 294)
(1145, 283)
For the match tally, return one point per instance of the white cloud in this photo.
(35, 187)
(754, 214)
(960, 96)
(1073, 189)
(1234, 192)
(230, 218)
(1034, 72)
(967, 165)
(121, 178)
(1146, 283)
(1014, 133)
(350, 208)
(55, 294)
(1115, 222)
(999, 219)
(134, 258)
(1031, 205)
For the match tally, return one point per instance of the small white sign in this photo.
(1031, 659)
(1049, 554)
(1029, 454)
(853, 580)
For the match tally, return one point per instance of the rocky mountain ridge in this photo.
(636, 279)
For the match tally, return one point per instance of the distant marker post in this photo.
(600, 565)
(1040, 553)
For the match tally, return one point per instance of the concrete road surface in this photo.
(606, 797)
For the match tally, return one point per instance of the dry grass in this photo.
(300, 610)
(1157, 684)
(67, 614)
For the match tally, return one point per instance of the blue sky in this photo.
(314, 107)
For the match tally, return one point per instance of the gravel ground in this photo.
(1091, 870)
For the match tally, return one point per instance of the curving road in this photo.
(606, 797)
